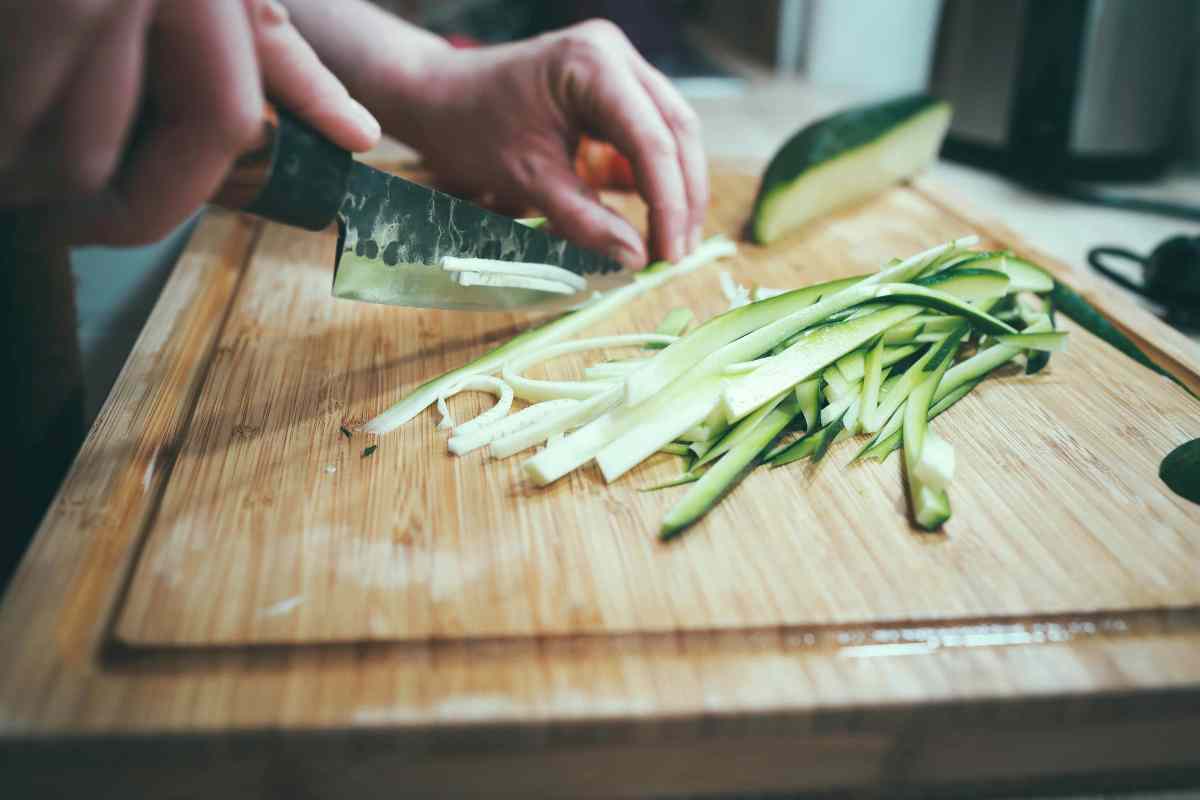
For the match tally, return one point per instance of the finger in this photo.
(601, 87)
(101, 104)
(295, 77)
(685, 125)
(576, 213)
(207, 107)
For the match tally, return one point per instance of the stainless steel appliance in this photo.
(1052, 90)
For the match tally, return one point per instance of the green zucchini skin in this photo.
(727, 472)
(1180, 470)
(830, 139)
(1075, 306)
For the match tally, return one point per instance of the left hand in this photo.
(506, 120)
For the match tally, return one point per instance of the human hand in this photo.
(121, 117)
(505, 120)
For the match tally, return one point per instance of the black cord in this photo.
(1096, 255)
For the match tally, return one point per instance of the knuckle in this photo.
(592, 39)
(659, 147)
(601, 29)
(88, 171)
(237, 126)
(684, 121)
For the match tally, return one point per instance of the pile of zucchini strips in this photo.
(766, 383)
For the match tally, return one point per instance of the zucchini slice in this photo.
(727, 472)
(845, 158)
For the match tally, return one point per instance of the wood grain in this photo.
(946, 702)
(275, 529)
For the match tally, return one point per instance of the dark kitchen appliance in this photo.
(1068, 90)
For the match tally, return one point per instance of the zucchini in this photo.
(727, 472)
(1024, 276)
(880, 449)
(825, 345)
(808, 396)
(929, 502)
(739, 432)
(673, 324)
(1068, 301)
(872, 380)
(1051, 342)
(846, 158)
(1180, 470)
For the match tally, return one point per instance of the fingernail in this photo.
(626, 256)
(696, 237)
(365, 119)
(272, 11)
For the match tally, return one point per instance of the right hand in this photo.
(76, 75)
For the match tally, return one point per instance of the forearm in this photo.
(387, 64)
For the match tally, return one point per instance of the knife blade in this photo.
(393, 233)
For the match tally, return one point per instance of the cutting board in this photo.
(275, 528)
(210, 610)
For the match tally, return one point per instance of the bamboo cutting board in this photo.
(174, 630)
(273, 528)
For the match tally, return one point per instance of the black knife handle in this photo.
(291, 174)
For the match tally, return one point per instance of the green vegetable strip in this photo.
(893, 396)
(675, 322)
(808, 396)
(583, 412)
(872, 380)
(969, 284)
(828, 343)
(1025, 277)
(740, 431)
(727, 472)
(930, 506)
(880, 449)
(579, 447)
(1048, 342)
(653, 431)
(890, 356)
(828, 436)
(650, 278)
(836, 386)
(851, 366)
(764, 324)
(678, 480)
(1066, 300)
(806, 358)
(801, 448)
(680, 356)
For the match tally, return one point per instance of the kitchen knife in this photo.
(393, 233)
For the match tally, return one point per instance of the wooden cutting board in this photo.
(226, 585)
(274, 527)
